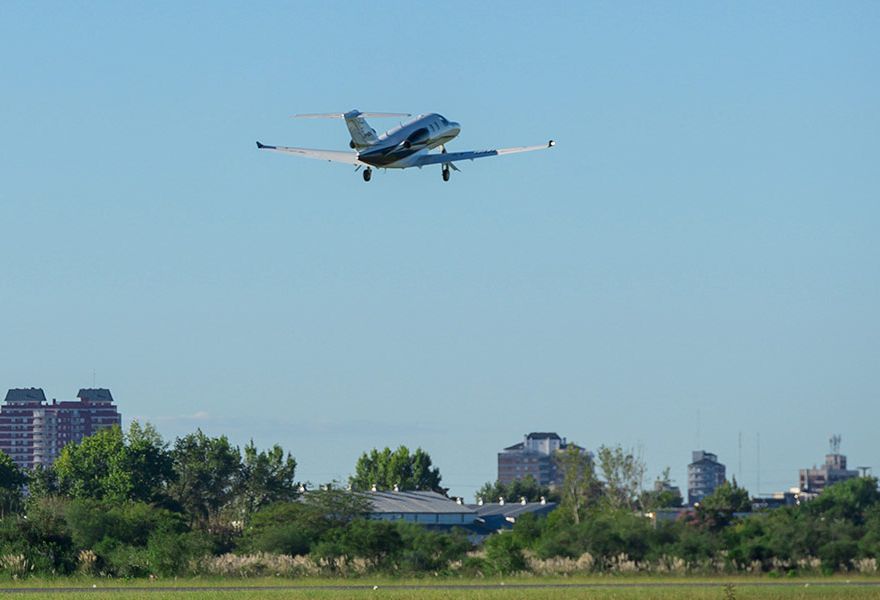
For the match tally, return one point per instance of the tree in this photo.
(664, 494)
(337, 506)
(290, 528)
(11, 481)
(387, 469)
(578, 480)
(113, 466)
(265, 477)
(623, 473)
(148, 462)
(42, 483)
(93, 468)
(849, 500)
(717, 509)
(504, 553)
(205, 470)
(527, 488)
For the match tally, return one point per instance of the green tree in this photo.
(527, 488)
(504, 553)
(378, 543)
(623, 473)
(265, 477)
(849, 500)
(113, 466)
(716, 510)
(426, 551)
(290, 528)
(94, 468)
(42, 483)
(386, 469)
(579, 484)
(11, 481)
(148, 462)
(206, 470)
(664, 494)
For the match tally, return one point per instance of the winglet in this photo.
(550, 144)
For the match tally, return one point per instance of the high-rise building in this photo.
(705, 474)
(813, 481)
(533, 456)
(33, 431)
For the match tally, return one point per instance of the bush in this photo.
(838, 555)
(504, 554)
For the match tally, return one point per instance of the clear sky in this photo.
(698, 258)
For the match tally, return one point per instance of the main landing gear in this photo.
(368, 174)
(446, 172)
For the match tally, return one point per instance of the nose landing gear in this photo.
(446, 173)
(368, 174)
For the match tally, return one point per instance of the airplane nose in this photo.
(456, 128)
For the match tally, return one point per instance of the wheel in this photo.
(445, 174)
(368, 174)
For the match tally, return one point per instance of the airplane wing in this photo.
(350, 158)
(450, 157)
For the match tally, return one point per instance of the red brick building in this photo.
(33, 430)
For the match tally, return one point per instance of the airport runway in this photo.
(450, 586)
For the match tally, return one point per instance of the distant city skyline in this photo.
(19, 417)
(701, 241)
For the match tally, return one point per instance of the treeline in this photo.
(128, 504)
(602, 525)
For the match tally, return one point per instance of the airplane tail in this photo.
(362, 135)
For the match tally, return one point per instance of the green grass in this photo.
(717, 592)
(611, 588)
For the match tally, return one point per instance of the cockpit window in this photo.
(444, 121)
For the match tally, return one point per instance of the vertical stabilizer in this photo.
(362, 135)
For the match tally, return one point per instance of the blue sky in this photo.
(697, 258)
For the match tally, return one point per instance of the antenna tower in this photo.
(834, 443)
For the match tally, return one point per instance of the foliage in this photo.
(579, 484)
(126, 505)
(93, 468)
(113, 466)
(11, 481)
(623, 473)
(527, 488)
(206, 472)
(265, 477)
(664, 494)
(716, 510)
(504, 554)
(386, 469)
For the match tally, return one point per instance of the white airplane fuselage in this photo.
(400, 147)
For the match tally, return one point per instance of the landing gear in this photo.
(445, 173)
(368, 174)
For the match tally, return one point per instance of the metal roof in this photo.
(542, 435)
(415, 502)
(511, 509)
(95, 395)
(25, 395)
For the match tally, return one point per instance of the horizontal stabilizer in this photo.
(350, 114)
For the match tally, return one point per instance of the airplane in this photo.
(407, 145)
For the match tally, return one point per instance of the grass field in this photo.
(617, 589)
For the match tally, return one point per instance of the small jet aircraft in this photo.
(407, 145)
